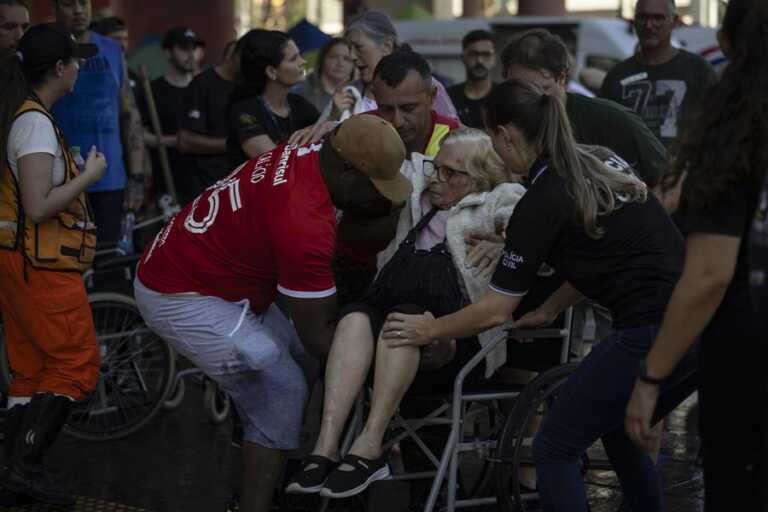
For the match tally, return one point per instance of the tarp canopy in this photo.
(307, 36)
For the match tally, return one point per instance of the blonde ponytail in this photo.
(598, 187)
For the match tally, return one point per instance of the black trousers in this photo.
(108, 211)
(732, 404)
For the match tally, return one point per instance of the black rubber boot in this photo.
(25, 472)
(11, 426)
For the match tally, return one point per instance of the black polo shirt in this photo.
(250, 117)
(631, 269)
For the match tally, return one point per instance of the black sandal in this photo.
(343, 484)
(310, 481)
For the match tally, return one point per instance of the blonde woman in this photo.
(424, 269)
(587, 215)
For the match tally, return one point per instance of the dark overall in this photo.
(414, 281)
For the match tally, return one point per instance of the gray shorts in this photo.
(217, 336)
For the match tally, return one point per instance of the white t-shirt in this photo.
(31, 133)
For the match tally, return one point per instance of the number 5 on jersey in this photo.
(214, 202)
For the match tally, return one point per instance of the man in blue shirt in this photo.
(92, 115)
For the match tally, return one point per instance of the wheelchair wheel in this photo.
(514, 448)
(514, 452)
(216, 402)
(137, 369)
(175, 394)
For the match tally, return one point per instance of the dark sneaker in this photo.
(312, 475)
(36, 484)
(233, 505)
(343, 484)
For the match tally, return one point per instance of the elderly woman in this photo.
(462, 192)
(371, 37)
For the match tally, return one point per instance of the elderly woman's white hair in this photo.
(377, 26)
(484, 165)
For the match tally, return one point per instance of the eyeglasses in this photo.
(444, 173)
(652, 19)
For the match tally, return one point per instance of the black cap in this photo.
(181, 36)
(49, 43)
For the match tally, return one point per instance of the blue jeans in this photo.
(591, 406)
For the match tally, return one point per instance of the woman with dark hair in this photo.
(47, 238)
(262, 111)
(723, 153)
(588, 215)
(334, 68)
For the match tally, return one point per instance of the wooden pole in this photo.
(154, 119)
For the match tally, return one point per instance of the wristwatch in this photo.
(642, 374)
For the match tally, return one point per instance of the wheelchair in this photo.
(489, 435)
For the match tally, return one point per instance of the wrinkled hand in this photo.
(312, 133)
(639, 415)
(534, 319)
(483, 253)
(402, 330)
(343, 100)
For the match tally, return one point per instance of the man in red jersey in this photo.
(208, 282)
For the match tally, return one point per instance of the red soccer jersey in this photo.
(269, 226)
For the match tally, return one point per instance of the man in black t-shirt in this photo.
(203, 125)
(660, 82)
(168, 91)
(479, 59)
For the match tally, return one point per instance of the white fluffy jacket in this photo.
(484, 212)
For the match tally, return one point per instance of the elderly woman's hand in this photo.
(343, 100)
(483, 253)
(402, 330)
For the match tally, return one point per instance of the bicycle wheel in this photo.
(137, 369)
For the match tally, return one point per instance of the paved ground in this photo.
(181, 463)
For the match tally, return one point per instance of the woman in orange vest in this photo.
(47, 239)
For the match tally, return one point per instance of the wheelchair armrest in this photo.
(128, 260)
(536, 333)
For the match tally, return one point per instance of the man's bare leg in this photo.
(262, 467)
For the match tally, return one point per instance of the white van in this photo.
(595, 42)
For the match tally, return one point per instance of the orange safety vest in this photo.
(66, 242)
